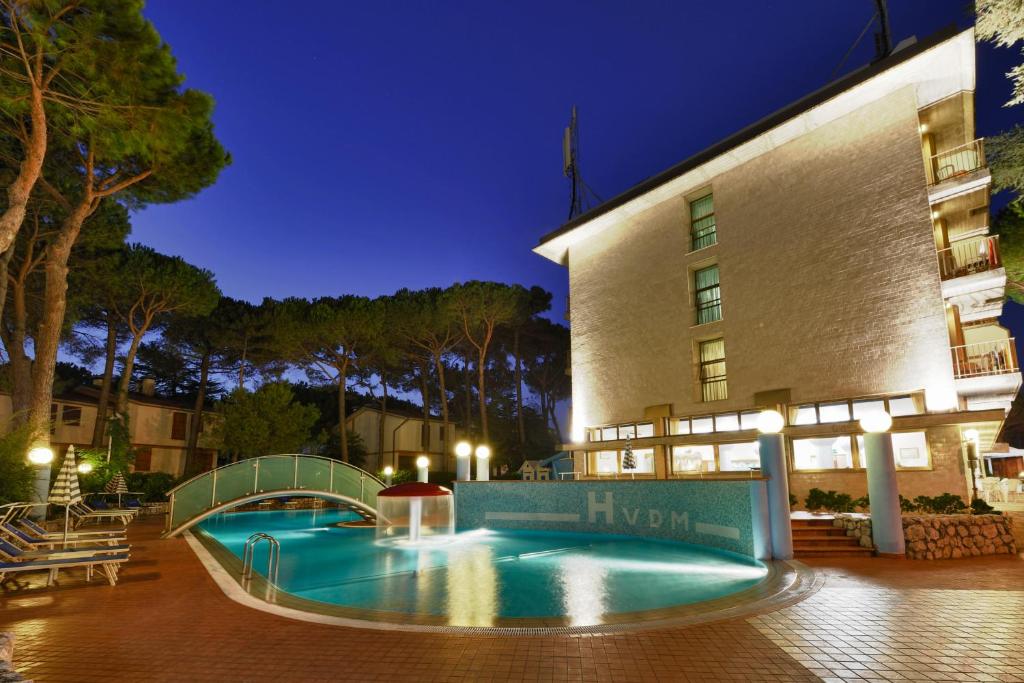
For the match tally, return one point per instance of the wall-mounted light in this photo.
(84, 467)
(770, 422)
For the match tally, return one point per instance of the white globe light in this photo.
(422, 461)
(388, 471)
(463, 449)
(483, 452)
(40, 455)
(84, 467)
(876, 423)
(971, 435)
(770, 422)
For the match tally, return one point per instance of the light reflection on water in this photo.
(482, 575)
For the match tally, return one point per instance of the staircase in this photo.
(816, 537)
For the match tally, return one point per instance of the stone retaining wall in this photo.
(857, 526)
(939, 537)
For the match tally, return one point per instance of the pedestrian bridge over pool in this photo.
(271, 476)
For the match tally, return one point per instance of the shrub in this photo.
(980, 507)
(152, 485)
(907, 505)
(944, 504)
(831, 501)
(792, 501)
(16, 474)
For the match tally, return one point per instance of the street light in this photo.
(84, 467)
(389, 472)
(422, 463)
(876, 422)
(483, 454)
(973, 439)
(883, 489)
(40, 455)
(770, 422)
(463, 449)
(772, 455)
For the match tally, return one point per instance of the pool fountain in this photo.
(415, 514)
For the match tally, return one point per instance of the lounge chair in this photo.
(12, 553)
(108, 564)
(83, 513)
(35, 530)
(29, 541)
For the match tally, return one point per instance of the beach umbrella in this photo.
(65, 490)
(116, 485)
(628, 459)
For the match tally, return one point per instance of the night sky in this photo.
(384, 145)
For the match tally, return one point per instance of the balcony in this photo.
(986, 373)
(973, 277)
(969, 257)
(957, 170)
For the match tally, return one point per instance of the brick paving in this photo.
(872, 620)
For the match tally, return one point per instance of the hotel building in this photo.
(829, 260)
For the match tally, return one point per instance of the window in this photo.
(830, 453)
(707, 295)
(862, 408)
(748, 419)
(693, 459)
(739, 457)
(609, 434)
(607, 462)
(643, 460)
(703, 425)
(909, 449)
(712, 370)
(681, 426)
(143, 459)
(727, 422)
(627, 432)
(834, 412)
(702, 223)
(71, 415)
(440, 433)
(806, 415)
(179, 421)
(645, 429)
(903, 405)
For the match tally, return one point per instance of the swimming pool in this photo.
(484, 577)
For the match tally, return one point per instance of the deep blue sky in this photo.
(383, 145)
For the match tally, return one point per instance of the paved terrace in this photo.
(871, 620)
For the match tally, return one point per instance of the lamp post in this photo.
(462, 452)
(41, 457)
(483, 454)
(773, 467)
(422, 463)
(971, 436)
(389, 472)
(883, 492)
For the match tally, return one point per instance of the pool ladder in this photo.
(273, 556)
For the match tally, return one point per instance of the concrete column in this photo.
(773, 466)
(483, 473)
(462, 467)
(883, 492)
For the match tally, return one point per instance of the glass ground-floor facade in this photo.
(824, 446)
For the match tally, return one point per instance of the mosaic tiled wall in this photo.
(728, 515)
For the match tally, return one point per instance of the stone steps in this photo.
(817, 537)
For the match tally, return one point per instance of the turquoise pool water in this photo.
(484, 574)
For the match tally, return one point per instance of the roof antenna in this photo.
(883, 38)
(581, 196)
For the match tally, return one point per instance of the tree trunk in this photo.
(467, 409)
(241, 366)
(129, 364)
(480, 367)
(19, 191)
(444, 402)
(191, 464)
(554, 420)
(520, 422)
(342, 426)
(21, 364)
(380, 422)
(51, 319)
(100, 428)
(425, 397)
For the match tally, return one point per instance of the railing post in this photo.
(213, 491)
(362, 485)
(330, 483)
(170, 514)
(256, 478)
(295, 472)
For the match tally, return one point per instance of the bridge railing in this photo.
(267, 474)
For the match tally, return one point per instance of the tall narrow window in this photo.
(702, 223)
(708, 295)
(179, 425)
(712, 370)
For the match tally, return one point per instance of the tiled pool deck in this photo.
(871, 620)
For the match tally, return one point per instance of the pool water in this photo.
(483, 575)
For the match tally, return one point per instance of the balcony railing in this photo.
(985, 358)
(956, 162)
(966, 257)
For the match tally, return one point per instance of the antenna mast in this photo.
(580, 193)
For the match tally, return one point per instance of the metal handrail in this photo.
(273, 556)
(957, 161)
(969, 256)
(277, 455)
(985, 358)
